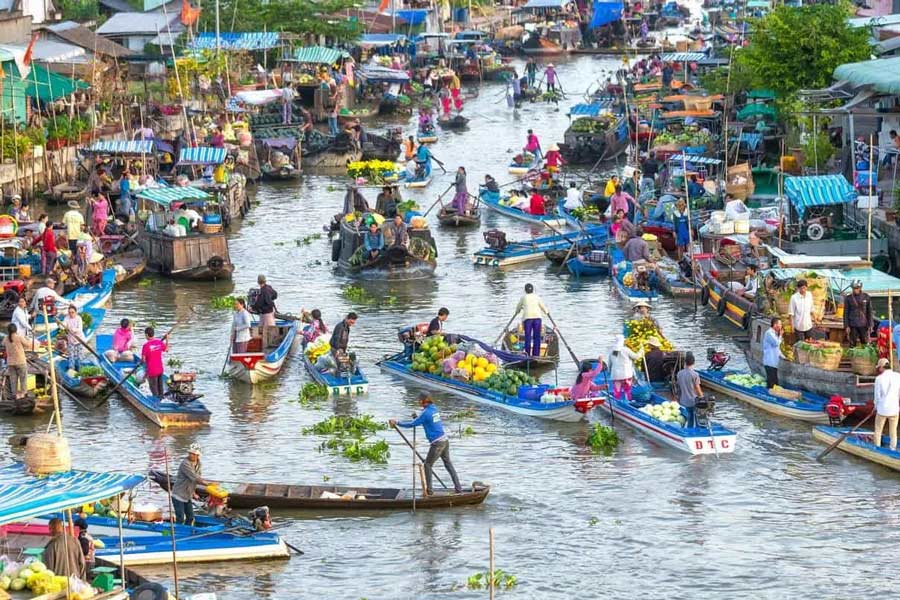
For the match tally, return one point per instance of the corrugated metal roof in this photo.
(317, 55)
(202, 155)
(261, 40)
(80, 35)
(818, 190)
(882, 74)
(131, 23)
(165, 196)
(121, 147)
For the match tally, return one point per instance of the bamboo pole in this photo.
(169, 486)
(121, 542)
(491, 562)
(414, 471)
(872, 173)
(782, 203)
(53, 391)
(687, 203)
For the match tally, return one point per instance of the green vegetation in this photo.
(174, 363)
(349, 438)
(346, 425)
(305, 18)
(222, 302)
(501, 580)
(312, 394)
(308, 239)
(603, 439)
(90, 371)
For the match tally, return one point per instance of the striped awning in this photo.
(818, 190)
(682, 56)
(590, 110)
(202, 155)
(165, 196)
(319, 55)
(121, 147)
(260, 40)
(24, 496)
(695, 160)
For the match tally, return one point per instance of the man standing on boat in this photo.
(398, 233)
(430, 420)
(887, 402)
(340, 335)
(185, 488)
(772, 352)
(801, 307)
(151, 356)
(264, 306)
(531, 72)
(688, 383)
(532, 307)
(857, 315)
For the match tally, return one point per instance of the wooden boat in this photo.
(580, 148)
(620, 271)
(282, 173)
(808, 407)
(449, 217)
(594, 264)
(74, 383)
(694, 440)
(256, 365)
(493, 202)
(573, 221)
(354, 385)
(340, 497)
(92, 296)
(859, 443)
(568, 411)
(162, 412)
(726, 303)
(418, 260)
(129, 266)
(425, 181)
(456, 122)
(427, 136)
(513, 342)
(537, 248)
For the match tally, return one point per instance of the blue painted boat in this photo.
(523, 168)
(355, 385)
(536, 248)
(97, 315)
(256, 367)
(74, 383)
(492, 201)
(568, 411)
(859, 443)
(163, 412)
(806, 407)
(593, 264)
(622, 268)
(573, 221)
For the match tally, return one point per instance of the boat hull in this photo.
(403, 501)
(357, 385)
(859, 444)
(251, 369)
(492, 201)
(581, 268)
(419, 183)
(812, 410)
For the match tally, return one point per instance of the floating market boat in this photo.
(623, 278)
(715, 439)
(88, 382)
(580, 217)
(456, 122)
(450, 217)
(859, 443)
(420, 182)
(794, 404)
(91, 320)
(257, 365)
(500, 253)
(129, 266)
(282, 158)
(565, 410)
(593, 264)
(493, 201)
(427, 136)
(163, 412)
(91, 296)
(525, 164)
(339, 497)
(595, 135)
(350, 384)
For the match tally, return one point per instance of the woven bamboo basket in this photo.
(801, 355)
(862, 366)
(47, 453)
(782, 306)
(829, 361)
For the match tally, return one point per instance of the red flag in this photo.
(189, 14)
(26, 60)
(382, 6)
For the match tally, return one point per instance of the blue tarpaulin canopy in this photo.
(590, 110)
(24, 496)
(882, 74)
(377, 74)
(694, 160)
(605, 13)
(165, 196)
(121, 147)
(202, 155)
(414, 16)
(319, 55)
(261, 40)
(817, 190)
(682, 56)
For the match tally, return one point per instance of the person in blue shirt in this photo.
(423, 162)
(772, 352)
(695, 188)
(430, 420)
(374, 241)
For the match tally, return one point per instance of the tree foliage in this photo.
(798, 48)
(307, 17)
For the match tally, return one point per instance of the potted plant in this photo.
(58, 132)
(81, 127)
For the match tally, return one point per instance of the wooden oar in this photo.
(505, 329)
(565, 343)
(228, 354)
(438, 199)
(440, 164)
(843, 437)
(405, 439)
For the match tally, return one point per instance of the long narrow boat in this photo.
(354, 385)
(574, 222)
(516, 168)
(339, 497)
(593, 264)
(568, 411)
(450, 217)
(427, 136)
(537, 248)
(162, 412)
(693, 440)
(84, 297)
(859, 443)
(129, 266)
(259, 366)
(513, 344)
(493, 202)
(808, 407)
(78, 384)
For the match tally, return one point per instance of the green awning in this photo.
(48, 86)
(756, 111)
(165, 196)
(761, 94)
(882, 74)
(317, 55)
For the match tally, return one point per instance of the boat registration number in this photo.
(710, 445)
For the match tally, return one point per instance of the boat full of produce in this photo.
(345, 379)
(781, 401)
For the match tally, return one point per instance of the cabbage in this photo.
(25, 573)
(4, 582)
(37, 566)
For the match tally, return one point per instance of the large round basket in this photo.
(47, 453)
(862, 365)
(828, 361)
(801, 355)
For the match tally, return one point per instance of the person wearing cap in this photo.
(73, 220)
(189, 476)
(584, 383)
(550, 74)
(264, 306)
(621, 368)
(641, 309)
(15, 209)
(554, 159)
(86, 541)
(887, 401)
(858, 318)
(439, 444)
(800, 309)
(772, 351)
(655, 360)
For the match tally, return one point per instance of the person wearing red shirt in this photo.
(151, 356)
(536, 206)
(554, 159)
(48, 250)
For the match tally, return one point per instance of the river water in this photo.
(764, 522)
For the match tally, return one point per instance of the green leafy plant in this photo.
(308, 239)
(603, 439)
(174, 363)
(358, 295)
(222, 302)
(346, 425)
(501, 580)
(90, 371)
(312, 394)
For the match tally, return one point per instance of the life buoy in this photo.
(335, 250)
(815, 232)
(215, 264)
(720, 309)
(704, 295)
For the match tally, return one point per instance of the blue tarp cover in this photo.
(590, 110)
(165, 196)
(605, 13)
(202, 155)
(262, 40)
(121, 147)
(536, 4)
(380, 39)
(817, 190)
(24, 496)
(415, 16)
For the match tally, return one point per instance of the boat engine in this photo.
(495, 239)
(260, 518)
(835, 409)
(704, 408)
(181, 387)
(717, 358)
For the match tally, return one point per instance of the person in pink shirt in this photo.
(584, 384)
(151, 356)
(122, 343)
(620, 201)
(100, 214)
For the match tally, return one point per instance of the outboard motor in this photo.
(704, 408)
(260, 518)
(252, 295)
(834, 408)
(717, 358)
(495, 239)
(181, 387)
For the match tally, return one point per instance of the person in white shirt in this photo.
(20, 318)
(45, 292)
(532, 308)
(621, 367)
(573, 197)
(801, 307)
(887, 402)
(190, 214)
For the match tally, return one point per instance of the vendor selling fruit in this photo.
(642, 310)
(63, 554)
(857, 315)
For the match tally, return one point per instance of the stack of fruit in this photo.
(317, 348)
(507, 381)
(431, 354)
(638, 331)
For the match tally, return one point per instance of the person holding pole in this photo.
(887, 402)
(532, 307)
(430, 420)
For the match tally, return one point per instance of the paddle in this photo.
(609, 397)
(440, 164)
(438, 199)
(505, 329)
(405, 439)
(565, 343)
(843, 437)
(228, 354)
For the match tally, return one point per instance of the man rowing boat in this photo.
(430, 420)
